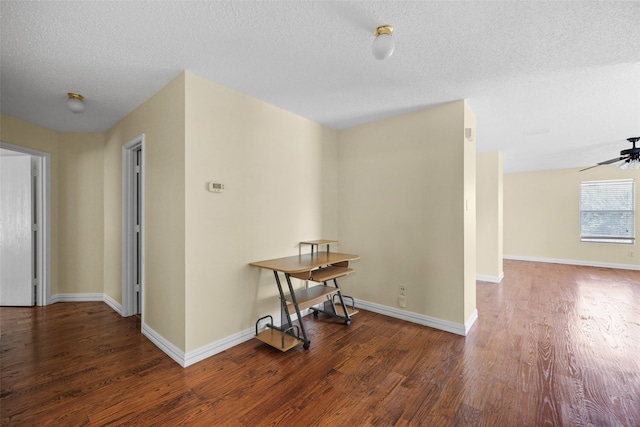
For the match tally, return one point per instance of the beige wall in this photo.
(279, 172)
(81, 212)
(401, 206)
(489, 187)
(161, 119)
(542, 217)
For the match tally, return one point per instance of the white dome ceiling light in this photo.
(383, 45)
(75, 103)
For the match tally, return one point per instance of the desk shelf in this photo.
(274, 338)
(315, 244)
(351, 309)
(309, 297)
(282, 339)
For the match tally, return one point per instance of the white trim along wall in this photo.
(574, 262)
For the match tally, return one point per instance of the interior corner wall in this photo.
(162, 120)
(81, 213)
(542, 218)
(490, 216)
(25, 134)
(401, 207)
(279, 172)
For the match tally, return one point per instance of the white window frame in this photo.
(612, 238)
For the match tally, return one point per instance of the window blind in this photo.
(607, 211)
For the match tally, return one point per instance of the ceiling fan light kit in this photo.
(631, 164)
(383, 45)
(75, 102)
(633, 155)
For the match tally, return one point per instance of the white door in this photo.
(133, 227)
(16, 250)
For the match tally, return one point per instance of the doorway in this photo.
(25, 249)
(133, 228)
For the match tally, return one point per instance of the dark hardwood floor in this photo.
(553, 345)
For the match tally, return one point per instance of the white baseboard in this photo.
(117, 307)
(187, 359)
(77, 297)
(470, 321)
(573, 262)
(421, 319)
(492, 279)
(217, 347)
(195, 356)
(88, 297)
(165, 345)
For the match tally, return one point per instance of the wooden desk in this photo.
(304, 262)
(318, 267)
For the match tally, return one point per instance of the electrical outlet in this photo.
(403, 290)
(402, 301)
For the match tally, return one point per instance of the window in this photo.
(607, 211)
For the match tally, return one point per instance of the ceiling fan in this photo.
(630, 156)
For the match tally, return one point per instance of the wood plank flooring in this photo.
(553, 345)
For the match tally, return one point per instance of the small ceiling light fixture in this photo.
(74, 103)
(631, 163)
(383, 45)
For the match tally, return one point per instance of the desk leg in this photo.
(306, 342)
(344, 306)
(283, 302)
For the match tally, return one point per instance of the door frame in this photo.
(128, 242)
(43, 219)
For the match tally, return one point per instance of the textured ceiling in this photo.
(553, 84)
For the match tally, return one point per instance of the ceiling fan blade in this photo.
(590, 167)
(608, 162)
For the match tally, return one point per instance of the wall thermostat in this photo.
(216, 187)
